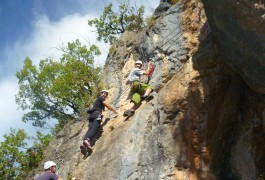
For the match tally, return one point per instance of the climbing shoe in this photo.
(83, 150)
(128, 112)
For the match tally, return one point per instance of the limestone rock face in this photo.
(207, 118)
(239, 27)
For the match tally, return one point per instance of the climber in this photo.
(50, 172)
(95, 118)
(141, 91)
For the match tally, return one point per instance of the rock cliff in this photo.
(207, 118)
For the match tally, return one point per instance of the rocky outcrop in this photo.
(239, 30)
(207, 118)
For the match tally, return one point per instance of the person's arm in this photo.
(59, 178)
(109, 107)
(146, 72)
(127, 81)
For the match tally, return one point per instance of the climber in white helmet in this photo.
(49, 172)
(95, 118)
(141, 91)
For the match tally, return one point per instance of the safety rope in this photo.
(120, 96)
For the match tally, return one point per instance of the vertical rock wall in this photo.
(205, 121)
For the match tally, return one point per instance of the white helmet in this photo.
(49, 164)
(138, 62)
(104, 90)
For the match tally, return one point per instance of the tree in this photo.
(59, 89)
(35, 153)
(16, 159)
(111, 23)
(12, 155)
(172, 2)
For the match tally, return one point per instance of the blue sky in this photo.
(34, 28)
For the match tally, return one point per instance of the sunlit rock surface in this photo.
(207, 118)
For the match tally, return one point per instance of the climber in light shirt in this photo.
(141, 91)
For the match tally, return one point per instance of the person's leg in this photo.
(129, 111)
(147, 92)
(136, 99)
(90, 125)
(131, 105)
(146, 89)
(92, 130)
(86, 141)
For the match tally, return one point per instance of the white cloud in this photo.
(7, 91)
(47, 36)
(9, 116)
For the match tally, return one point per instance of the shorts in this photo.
(138, 89)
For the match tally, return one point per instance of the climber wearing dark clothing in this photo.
(49, 173)
(95, 118)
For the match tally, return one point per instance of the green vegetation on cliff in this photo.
(112, 23)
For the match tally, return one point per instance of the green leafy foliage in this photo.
(112, 23)
(59, 89)
(173, 1)
(35, 153)
(150, 20)
(16, 160)
(12, 155)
